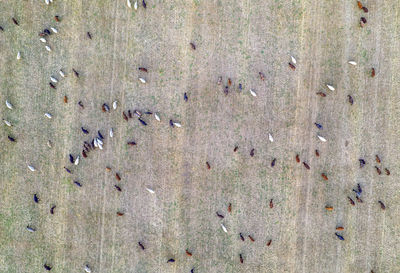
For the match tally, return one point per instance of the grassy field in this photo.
(234, 39)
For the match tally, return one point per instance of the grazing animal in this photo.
(330, 87)
(62, 74)
(365, 9)
(350, 99)
(351, 201)
(108, 169)
(57, 18)
(1, 28)
(65, 99)
(143, 69)
(251, 238)
(71, 158)
(230, 207)
(75, 72)
(89, 35)
(117, 176)
(253, 93)
(273, 162)
(150, 190)
(387, 171)
(84, 154)
(269, 242)
(87, 269)
(124, 115)
(241, 236)
(188, 253)
(208, 165)
(142, 80)
(157, 117)
(297, 158)
(317, 153)
(131, 143)
(359, 200)
(100, 135)
(52, 209)
(262, 76)
(36, 198)
(224, 228)
(340, 228)
(252, 152)
(378, 160)
(306, 165)
(105, 107)
(360, 6)
(85, 131)
(68, 170)
(114, 105)
(48, 48)
(52, 85)
(226, 90)
(144, 3)
(31, 168)
(120, 213)
(382, 205)
(77, 183)
(138, 113)
(185, 97)
(329, 208)
(235, 149)
(141, 246)
(372, 72)
(362, 162)
(15, 21)
(321, 138)
(241, 258)
(319, 126)
(292, 66)
(81, 104)
(53, 79)
(7, 122)
(30, 229)
(352, 62)
(240, 87)
(219, 82)
(11, 139)
(229, 82)
(171, 261)
(322, 94)
(47, 267)
(193, 46)
(130, 114)
(378, 170)
(118, 188)
(142, 121)
(220, 215)
(271, 139)
(339, 236)
(324, 176)
(271, 203)
(54, 30)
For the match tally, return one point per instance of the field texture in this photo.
(233, 39)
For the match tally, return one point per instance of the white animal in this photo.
(135, 5)
(43, 40)
(254, 94)
(9, 105)
(293, 59)
(48, 48)
(321, 138)
(47, 2)
(330, 87)
(30, 229)
(224, 228)
(49, 144)
(31, 168)
(54, 30)
(157, 117)
(142, 80)
(18, 55)
(7, 122)
(115, 104)
(111, 132)
(270, 138)
(53, 79)
(47, 115)
(62, 74)
(352, 63)
(128, 2)
(87, 269)
(99, 141)
(177, 124)
(76, 160)
(149, 190)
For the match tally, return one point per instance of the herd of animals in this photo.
(97, 142)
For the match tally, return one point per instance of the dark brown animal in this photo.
(52, 209)
(143, 69)
(68, 170)
(226, 90)
(351, 101)
(230, 207)
(81, 105)
(387, 171)
(292, 66)
(324, 176)
(241, 237)
(144, 4)
(89, 35)
(378, 170)
(362, 162)
(322, 94)
(252, 152)
(378, 160)
(317, 153)
(57, 18)
(269, 242)
(117, 176)
(220, 215)
(124, 115)
(329, 208)
(273, 162)
(229, 82)
(351, 201)
(52, 85)
(118, 188)
(208, 165)
(193, 46)
(188, 253)
(105, 107)
(262, 76)
(372, 72)
(141, 246)
(365, 9)
(47, 267)
(131, 143)
(235, 149)
(65, 99)
(306, 165)
(15, 21)
(84, 154)
(108, 169)
(120, 213)
(11, 139)
(129, 114)
(382, 205)
(251, 238)
(359, 200)
(1, 28)
(75, 72)
(297, 158)
(271, 203)
(241, 258)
